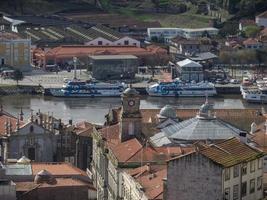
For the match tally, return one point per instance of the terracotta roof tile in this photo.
(152, 183)
(251, 41)
(6, 117)
(57, 169)
(67, 182)
(133, 151)
(230, 152)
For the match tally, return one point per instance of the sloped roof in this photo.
(195, 129)
(57, 169)
(263, 15)
(188, 63)
(231, 152)
(228, 153)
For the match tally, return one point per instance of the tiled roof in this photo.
(57, 169)
(67, 182)
(9, 36)
(84, 129)
(152, 182)
(229, 152)
(251, 41)
(132, 151)
(7, 117)
(70, 50)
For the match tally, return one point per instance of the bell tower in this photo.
(131, 119)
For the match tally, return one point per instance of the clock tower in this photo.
(131, 120)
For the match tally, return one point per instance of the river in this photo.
(94, 109)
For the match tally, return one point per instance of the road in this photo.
(46, 79)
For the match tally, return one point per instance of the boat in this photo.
(177, 88)
(255, 93)
(79, 88)
(89, 88)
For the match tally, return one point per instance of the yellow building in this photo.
(15, 52)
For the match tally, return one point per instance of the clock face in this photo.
(131, 103)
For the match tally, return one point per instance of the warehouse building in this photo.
(107, 67)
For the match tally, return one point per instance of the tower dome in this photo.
(167, 112)
(206, 111)
(130, 91)
(44, 176)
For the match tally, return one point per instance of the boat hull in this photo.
(60, 93)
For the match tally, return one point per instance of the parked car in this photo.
(234, 81)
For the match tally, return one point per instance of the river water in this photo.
(94, 109)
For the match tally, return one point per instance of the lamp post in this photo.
(75, 67)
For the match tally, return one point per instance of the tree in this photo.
(18, 76)
(251, 31)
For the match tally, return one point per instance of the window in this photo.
(236, 171)
(252, 166)
(126, 42)
(244, 169)
(235, 192)
(259, 163)
(252, 186)
(227, 174)
(259, 183)
(227, 194)
(31, 129)
(100, 42)
(244, 189)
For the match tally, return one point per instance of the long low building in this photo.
(169, 33)
(64, 54)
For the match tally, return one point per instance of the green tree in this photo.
(251, 31)
(17, 76)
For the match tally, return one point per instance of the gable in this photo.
(31, 128)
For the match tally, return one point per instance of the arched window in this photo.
(131, 128)
(31, 128)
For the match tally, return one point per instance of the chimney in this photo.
(70, 122)
(10, 126)
(17, 124)
(253, 128)
(243, 137)
(21, 114)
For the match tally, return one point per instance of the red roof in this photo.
(7, 117)
(151, 179)
(57, 169)
(81, 50)
(251, 41)
(67, 182)
(133, 151)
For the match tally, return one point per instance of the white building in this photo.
(169, 33)
(190, 70)
(261, 20)
(228, 170)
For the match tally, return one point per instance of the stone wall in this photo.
(193, 177)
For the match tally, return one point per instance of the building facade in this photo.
(227, 170)
(261, 20)
(190, 71)
(168, 33)
(113, 66)
(16, 53)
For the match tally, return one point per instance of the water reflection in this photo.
(94, 109)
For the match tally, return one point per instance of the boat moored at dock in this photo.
(178, 88)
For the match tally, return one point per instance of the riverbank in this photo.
(20, 89)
